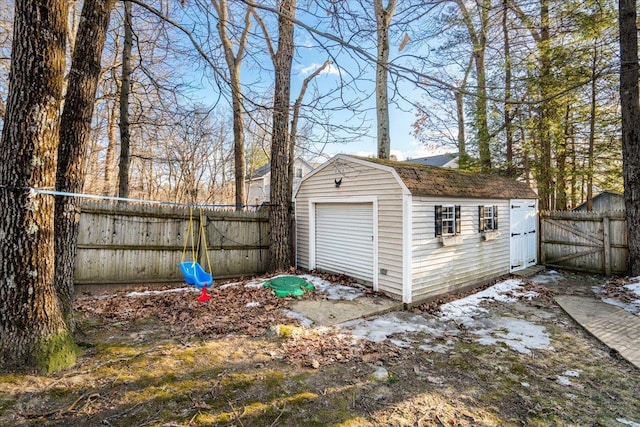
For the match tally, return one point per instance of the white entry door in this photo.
(344, 239)
(524, 234)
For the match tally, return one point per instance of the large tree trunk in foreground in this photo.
(630, 123)
(280, 210)
(33, 334)
(75, 131)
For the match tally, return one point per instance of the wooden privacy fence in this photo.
(138, 243)
(584, 241)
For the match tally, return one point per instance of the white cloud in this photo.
(331, 69)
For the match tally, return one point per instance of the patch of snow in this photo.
(627, 422)
(631, 307)
(573, 374)
(438, 348)
(381, 374)
(378, 329)
(525, 384)
(550, 276)
(562, 380)
(166, 291)
(333, 291)
(253, 304)
(465, 309)
(404, 329)
(519, 335)
(634, 287)
(304, 321)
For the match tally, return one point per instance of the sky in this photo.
(309, 57)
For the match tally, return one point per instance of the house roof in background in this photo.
(264, 170)
(438, 160)
(599, 195)
(423, 180)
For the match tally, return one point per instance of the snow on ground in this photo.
(304, 321)
(333, 291)
(166, 291)
(547, 276)
(330, 290)
(436, 333)
(627, 422)
(632, 306)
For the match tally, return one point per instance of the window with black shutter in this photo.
(487, 218)
(447, 220)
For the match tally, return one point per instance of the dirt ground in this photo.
(166, 360)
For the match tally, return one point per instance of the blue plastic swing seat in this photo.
(194, 274)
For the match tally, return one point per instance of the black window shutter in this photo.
(495, 217)
(438, 222)
(458, 225)
(481, 219)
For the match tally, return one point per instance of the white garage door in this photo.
(524, 236)
(344, 239)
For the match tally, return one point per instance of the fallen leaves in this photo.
(314, 348)
(615, 288)
(232, 309)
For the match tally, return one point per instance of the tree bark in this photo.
(592, 129)
(545, 174)
(125, 87)
(294, 124)
(479, 41)
(383, 20)
(280, 210)
(561, 162)
(630, 123)
(234, 60)
(33, 334)
(508, 126)
(75, 131)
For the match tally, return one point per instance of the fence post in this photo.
(607, 245)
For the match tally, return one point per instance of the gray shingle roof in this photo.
(438, 160)
(424, 180)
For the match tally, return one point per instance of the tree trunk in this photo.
(592, 131)
(233, 63)
(75, 131)
(383, 20)
(280, 210)
(294, 123)
(481, 110)
(107, 188)
(545, 174)
(561, 162)
(33, 334)
(630, 123)
(479, 41)
(462, 145)
(508, 126)
(125, 87)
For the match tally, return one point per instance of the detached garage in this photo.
(413, 231)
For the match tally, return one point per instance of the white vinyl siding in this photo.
(437, 269)
(358, 180)
(344, 239)
(409, 261)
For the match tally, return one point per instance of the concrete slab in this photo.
(613, 326)
(331, 312)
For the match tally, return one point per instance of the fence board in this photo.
(584, 241)
(136, 243)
